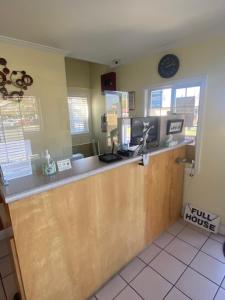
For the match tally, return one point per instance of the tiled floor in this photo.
(8, 284)
(183, 263)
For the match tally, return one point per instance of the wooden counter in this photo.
(71, 239)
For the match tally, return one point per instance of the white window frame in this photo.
(185, 83)
(81, 92)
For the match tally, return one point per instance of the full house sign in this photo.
(201, 218)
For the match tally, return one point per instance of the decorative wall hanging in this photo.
(9, 80)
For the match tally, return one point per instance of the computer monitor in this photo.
(138, 126)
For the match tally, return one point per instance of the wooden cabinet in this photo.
(163, 192)
(71, 239)
(17, 268)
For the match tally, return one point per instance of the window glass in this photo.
(160, 102)
(78, 112)
(17, 119)
(180, 93)
(185, 101)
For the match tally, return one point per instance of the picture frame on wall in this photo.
(174, 126)
(131, 98)
(108, 82)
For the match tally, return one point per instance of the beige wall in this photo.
(78, 80)
(207, 189)
(49, 88)
(77, 73)
(98, 102)
(85, 75)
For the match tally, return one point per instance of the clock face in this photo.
(168, 66)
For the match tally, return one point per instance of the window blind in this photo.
(12, 146)
(17, 118)
(78, 112)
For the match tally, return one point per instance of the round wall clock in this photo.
(168, 66)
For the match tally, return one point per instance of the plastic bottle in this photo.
(49, 166)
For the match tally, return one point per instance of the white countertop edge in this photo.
(107, 167)
(68, 180)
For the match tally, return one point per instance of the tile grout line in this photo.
(201, 249)
(163, 249)
(208, 237)
(174, 285)
(185, 264)
(4, 256)
(128, 284)
(147, 264)
(219, 288)
(213, 257)
(191, 266)
(8, 274)
(203, 275)
(4, 291)
(190, 263)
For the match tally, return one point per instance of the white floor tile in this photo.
(209, 267)
(220, 295)
(218, 237)
(176, 228)
(4, 248)
(181, 220)
(175, 294)
(149, 253)
(6, 265)
(2, 294)
(132, 269)
(150, 285)
(182, 250)
(223, 284)
(201, 230)
(168, 266)
(214, 249)
(128, 294)
(192, 237)
(10, 286)
(163, 240)
(111, 289)
(196, 286)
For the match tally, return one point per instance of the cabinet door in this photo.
(163, 192)
(157, 191)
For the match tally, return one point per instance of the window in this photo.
(78, 113)
(17, 119)
(182, 100)
(160, 102)
(183, 97)
(117, 106)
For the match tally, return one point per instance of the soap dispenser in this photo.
(49, 166)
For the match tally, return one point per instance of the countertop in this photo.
(83, 168)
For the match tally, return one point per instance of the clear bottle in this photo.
(49, 166)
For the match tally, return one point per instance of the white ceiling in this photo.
(102, 30)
